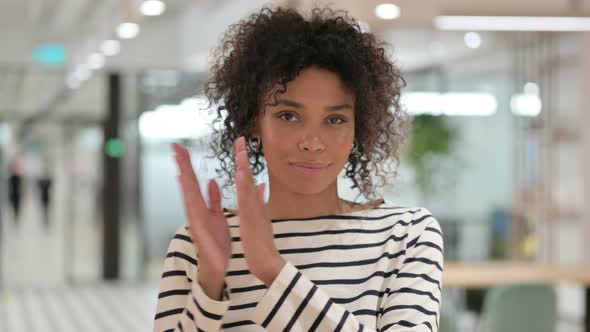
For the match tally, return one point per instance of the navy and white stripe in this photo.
(378, 269)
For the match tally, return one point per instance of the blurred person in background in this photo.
(313, 96)
(15, 179)
(44, 186)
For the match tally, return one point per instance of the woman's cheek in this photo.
(277, 140)
(344, 141)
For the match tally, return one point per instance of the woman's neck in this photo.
(283, 204)
(286, 204)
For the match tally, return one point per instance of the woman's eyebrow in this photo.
(291, 103)
(295, 104)
(339, 107)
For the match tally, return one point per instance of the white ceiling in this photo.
(188, 29)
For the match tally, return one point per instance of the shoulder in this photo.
(414, 220)
(423, 221)
(425, 235)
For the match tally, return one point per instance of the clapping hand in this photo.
(208, 226)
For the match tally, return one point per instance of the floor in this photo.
(101, 307)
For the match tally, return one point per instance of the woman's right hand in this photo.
(207, 225)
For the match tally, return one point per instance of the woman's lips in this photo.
(309, 169)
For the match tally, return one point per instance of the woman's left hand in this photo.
(256, 232)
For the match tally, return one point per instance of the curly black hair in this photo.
(270, 48)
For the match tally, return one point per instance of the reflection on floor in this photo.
(104, 307)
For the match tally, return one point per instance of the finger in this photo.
(246, 188)
(262, 188)
(214, 197)
(183, 159)
(249, 202)
(189, 207)
(187, 173)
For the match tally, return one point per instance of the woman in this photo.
(15, 187)
(313, 97)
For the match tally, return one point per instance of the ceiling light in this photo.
(128, 30)
(472, 40)
(512, 23)
(152, 7)
(72, 81)
(178, 121)
(387, 11)
(83, 72)
(110, 47)
(531, 88)
(526, 105)
(451, 103)
(96, 61)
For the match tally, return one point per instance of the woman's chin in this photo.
(310, 187)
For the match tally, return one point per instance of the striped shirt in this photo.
(378, 269)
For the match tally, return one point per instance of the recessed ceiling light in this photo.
(387, 11)
(83, 72)
(96, 61)
(128, 30)
(110, 47)
(472, 40)
(152, 7)
(72, 81)
(526, 104)
(531, 88)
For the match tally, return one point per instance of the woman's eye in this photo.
(287, 116)
(290, 117)
(339, 120)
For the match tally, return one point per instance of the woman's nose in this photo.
(311, 144)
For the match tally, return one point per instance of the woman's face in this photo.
(307, 137)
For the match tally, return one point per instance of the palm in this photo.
(207, 225)
(213, 240)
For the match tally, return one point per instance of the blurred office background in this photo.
(92, 93)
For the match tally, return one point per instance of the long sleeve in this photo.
(412, 296)
(182, 303)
